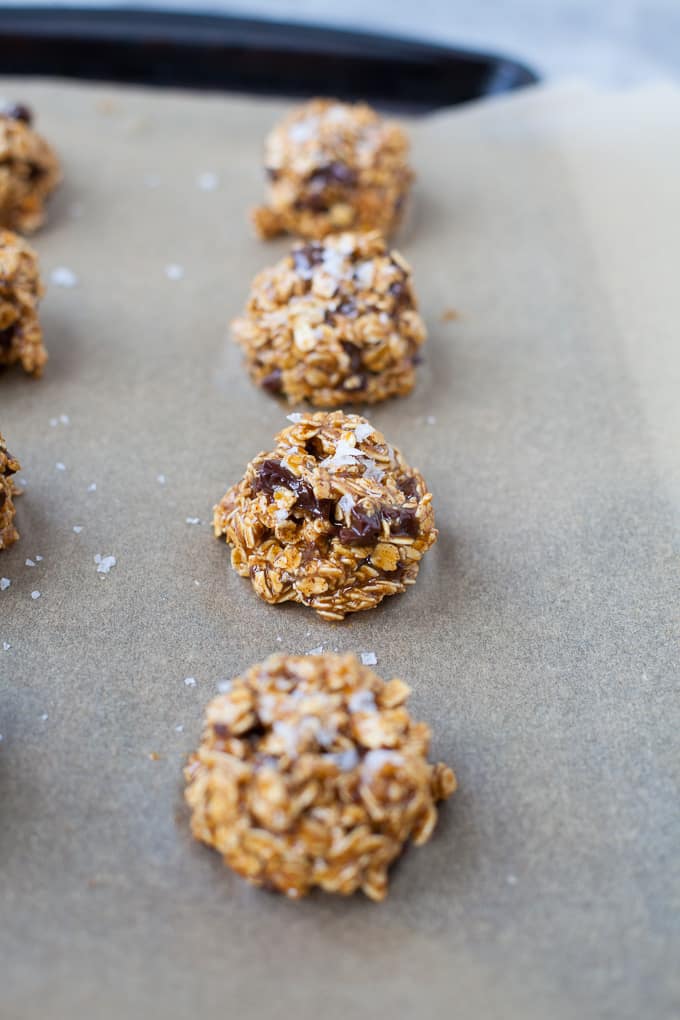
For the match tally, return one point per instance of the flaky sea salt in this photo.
(430, 420)
(369, 658)
(160, 479)
(77, 528)
(372, 471)
(193, 520)
(44, 717)
(104, 563)
(30, 563)
(207, 181)
(315, 651)
(92, 487)
(62, 276)
(174, 272)
(179, 728)
(189, 681)
(4, 583)
(39, 559)
(6, 646)
(224, 686)
(60, 466)
(35, 595)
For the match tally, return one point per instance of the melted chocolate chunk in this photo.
(221, 729)
(17, 111)
(335, 173)
(272, 475)
(307, 256)
(6, 336)
(354, 354)
(399, 292)
(349, 308)
(3, 498)
(272, 382)
(402, 520)
(364, 528)
(409, 486)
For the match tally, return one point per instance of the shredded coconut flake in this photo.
(372, 471)
(363, 431)
(364, 274)
(346, 502)
(281, 515)
(345, 760)
(362, 701)
(303, 130)
(375, 760)
(224, 686)
(295, 417)
(62, 276)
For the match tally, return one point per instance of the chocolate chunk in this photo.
(6, 336)
(364, 528)
(349, 308)
(272, 382)
(354, 354)
(409, 486)
(272, 475)
(402, 520)
(399, 292)
(307, 256)
(335, 173)
(17, 111)
(3, 498)
(221, 729)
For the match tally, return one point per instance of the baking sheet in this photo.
(540, 640)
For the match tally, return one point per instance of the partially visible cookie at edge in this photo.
(29, 170)
(9, 465)
(20, 292)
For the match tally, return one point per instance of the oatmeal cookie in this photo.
(9, 465)
(20, 291)
(29, 170)
(334, 323)
(311, 772)
(334, 166)
(333, 517)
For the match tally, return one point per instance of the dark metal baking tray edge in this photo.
(224, 53)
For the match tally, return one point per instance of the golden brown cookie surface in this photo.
(334, 323)
(311, 772)
(9, 465)
(20, 291)
(334, 166)
(333, 517)
(29, 171)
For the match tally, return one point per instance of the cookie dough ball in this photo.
(333, 517)
(9, 465)
(311, 772)
(334, 166)
(20, 291)
(334, 323)
(29, 170)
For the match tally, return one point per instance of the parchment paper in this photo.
(540, 640)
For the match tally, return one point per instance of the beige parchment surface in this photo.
(540, 640)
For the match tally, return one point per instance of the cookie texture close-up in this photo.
(334, 323)
(20, 291)
(334, 166)
(333, 517)
(311, 772)
(9, 465)
(29, 170)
